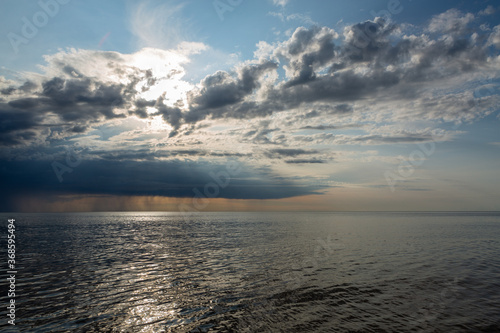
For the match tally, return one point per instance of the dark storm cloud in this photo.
(78, 99)
(307, 50)
(170, 179)
(147, 154)
(74, 101)
(347, 86)
(364, 41)
(329, 127)
(320, 127)
(305, 161)
(17, 126)
(25, 103)
(380, 139)
(171, 115)
(77, 102)
(222, 90)
(389, 63)
(343, 108)
(289, 152)
(7, 91)
(261, 135)
(25, 87)
(141, 107)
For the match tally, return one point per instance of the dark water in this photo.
(256, 272)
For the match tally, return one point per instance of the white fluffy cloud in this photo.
(494, 38)
(451, 21)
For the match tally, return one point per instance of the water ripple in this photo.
(155, 272)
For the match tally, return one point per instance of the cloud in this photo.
(158, 25)
(281, 3)
(494, 38)
(19, 127)
(173, 178)
(452, 21)
(300, 17)
(385, 65)
(367, 40)
(329, 127)
(371, 60)
(80, 89)
(137, 111)
(488, 10)
(307, 51)
(304, 161)
(288, 152)
(381, 139)
(222, 89)
(145, 154)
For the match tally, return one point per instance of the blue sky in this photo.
(142, 105)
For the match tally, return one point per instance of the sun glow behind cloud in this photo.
(166, 75)
(156, 124)
(153, 75)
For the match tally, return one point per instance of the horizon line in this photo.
(263, 211)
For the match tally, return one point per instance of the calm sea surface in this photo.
(255, 272)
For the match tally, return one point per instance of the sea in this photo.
(254, 272)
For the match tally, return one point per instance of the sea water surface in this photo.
(255, 272)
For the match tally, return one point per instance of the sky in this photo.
(238, 105)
